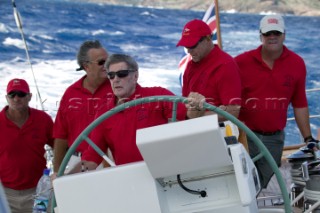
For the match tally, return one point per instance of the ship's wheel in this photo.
(176, 99)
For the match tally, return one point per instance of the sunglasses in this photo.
(100, 62)
(120, 74)
(18, 93)
(273, 32)
(195, 46)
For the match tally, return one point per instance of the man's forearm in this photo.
(60, 150)
(302, 118)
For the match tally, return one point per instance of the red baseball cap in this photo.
(192, 32)
(17, 84)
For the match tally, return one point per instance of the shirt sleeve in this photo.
(299, 99)
(49, 131)
(229, 84)
(98, 138)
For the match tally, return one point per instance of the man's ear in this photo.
(136, 75)
(30, 96)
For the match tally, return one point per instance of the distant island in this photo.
(293, 7)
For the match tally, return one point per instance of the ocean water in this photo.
(55, 29)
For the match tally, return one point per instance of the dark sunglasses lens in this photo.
(276, 33)
(100, 63)
(111, 75)
(193, 47)
(120, 74)
(11, 95)
(19, 94)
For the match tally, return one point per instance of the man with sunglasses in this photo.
(272, 77)
(24, 131)
(119, 131)
(81, 101)
(211, 72)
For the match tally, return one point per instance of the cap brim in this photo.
(271, 28)
(20, 90)
(188, 42)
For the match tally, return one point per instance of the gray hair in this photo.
(82, 56)
(117, 58)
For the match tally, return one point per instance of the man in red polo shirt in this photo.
(211, 72)
(119, 131)
(272, 77)
(24, 131)
(81, 101)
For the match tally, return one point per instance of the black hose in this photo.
(202, 193)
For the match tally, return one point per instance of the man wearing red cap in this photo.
(272, 77)
(23, 131)
(211, 72)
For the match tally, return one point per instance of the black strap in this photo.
(308, 138)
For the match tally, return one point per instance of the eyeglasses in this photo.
(273, 32)
(120, 74)
(100, 62)
(195, 46)
(20, 94)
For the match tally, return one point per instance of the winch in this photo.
(296, 159)
(311, 174)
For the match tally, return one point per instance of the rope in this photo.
(19, 25)
(312, 196)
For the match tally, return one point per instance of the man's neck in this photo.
(92, 85)
(19, 117)
(270, 56)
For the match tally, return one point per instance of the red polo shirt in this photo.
(119, 131)
(267, 93)
(22, 149)
(77, 110)
(216, 77)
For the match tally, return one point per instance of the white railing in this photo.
(311, 116)
(314, 116)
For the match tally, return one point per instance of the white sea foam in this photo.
(14, 42)
(54, 76)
